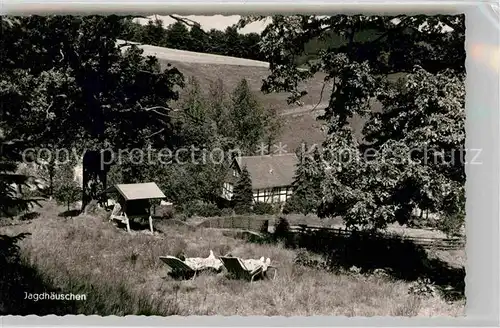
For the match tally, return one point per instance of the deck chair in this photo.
(116, 214)
(237, 268)
(179, 267)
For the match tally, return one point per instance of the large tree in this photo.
(66, 83)
(152, 33)
(425, 110)
(196, 126)
(248, 118)
(198, 39)
(243, 196)
(307, 193)
(178, 36)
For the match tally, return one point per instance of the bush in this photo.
(282, 229)
(201, 209)
(304, 258)
(261, 208)
(423, 287)
(165, 212)
(34, 193)
(451, 224)
(290, 208)
(242, 209)
(68, 194)
(181, 217)
(227, 212)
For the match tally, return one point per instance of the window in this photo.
(283, 194)
(260, 195)
(235, 173)
(227, 191)
(272, 195)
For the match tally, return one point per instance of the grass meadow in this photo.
(121, 274)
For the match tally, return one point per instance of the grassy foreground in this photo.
(121, 274)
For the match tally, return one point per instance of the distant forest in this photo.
(228, 42)
(178, 36)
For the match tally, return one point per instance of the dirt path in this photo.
(316, 109)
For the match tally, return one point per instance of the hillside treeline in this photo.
(228, 42)
(177, 36)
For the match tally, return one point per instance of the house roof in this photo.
(136, 191)
(269, 171)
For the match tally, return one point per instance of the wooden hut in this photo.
(135, 202)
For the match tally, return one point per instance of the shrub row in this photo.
(205, 209)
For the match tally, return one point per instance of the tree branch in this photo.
(320, 97)
(154, 109)
(47, 110)
(186, 21)
(155, 133)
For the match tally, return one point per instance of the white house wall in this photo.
(272, 195)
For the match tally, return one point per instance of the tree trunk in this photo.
(52, 170)
(95, 169)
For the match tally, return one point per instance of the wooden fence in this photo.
(428, 242)
(261, 224)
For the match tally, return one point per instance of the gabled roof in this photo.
(269, 171)
(136, 191)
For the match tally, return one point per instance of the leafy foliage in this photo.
(247, 127)
(68, 194)
(12, 200)
(261, 208)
